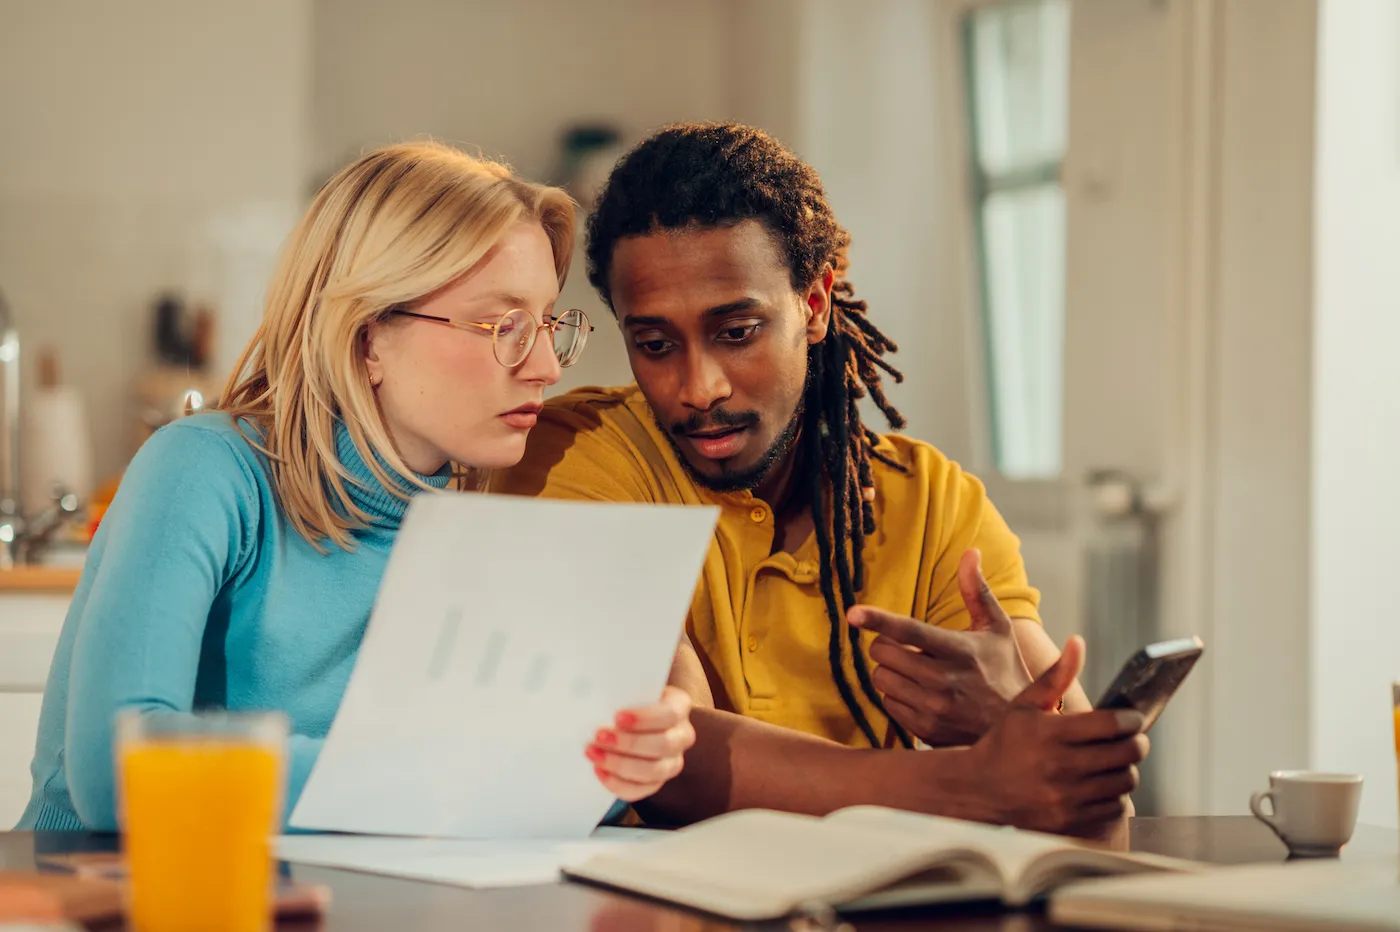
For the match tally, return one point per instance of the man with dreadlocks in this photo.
(861, 591)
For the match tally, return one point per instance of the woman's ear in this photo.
(817, 299)
(370, 343)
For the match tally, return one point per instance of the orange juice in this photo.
(1395, 698)
(198, 813)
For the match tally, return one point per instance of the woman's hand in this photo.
(644, 748)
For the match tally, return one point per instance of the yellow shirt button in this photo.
(753, 643)
(758, 514)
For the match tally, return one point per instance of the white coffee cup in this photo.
(1313, 813)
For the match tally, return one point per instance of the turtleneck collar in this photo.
(383, 507)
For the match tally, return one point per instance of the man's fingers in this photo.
(1045, 693)
(1100, 725)
(908, 716)
(892, 684)
(1111, 785)
(982, 605)
(916, 665)
(1092, 818)
(901, 629)
(1091, 759)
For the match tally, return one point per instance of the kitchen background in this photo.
(1136, 253)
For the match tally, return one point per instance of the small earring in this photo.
(373, 382)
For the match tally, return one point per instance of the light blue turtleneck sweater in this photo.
(198, 595)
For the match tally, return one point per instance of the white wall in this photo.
(872, 120)
(1257, 347)
(1355, 641)
(129, 129)
(506, 79)
(850, 87)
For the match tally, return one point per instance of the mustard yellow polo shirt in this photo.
(758, 619)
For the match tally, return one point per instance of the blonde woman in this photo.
(410, 331)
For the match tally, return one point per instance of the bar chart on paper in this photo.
(493, 654)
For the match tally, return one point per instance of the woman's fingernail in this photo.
(602, 774)
(626, 720)
(595, 754)
(605, 737)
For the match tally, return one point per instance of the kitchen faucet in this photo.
(11, 523)
(19, 539)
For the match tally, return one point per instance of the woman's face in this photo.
(443, 394)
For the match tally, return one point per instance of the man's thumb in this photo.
(1045, 693)
(982, 607)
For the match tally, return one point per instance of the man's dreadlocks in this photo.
(720, 174)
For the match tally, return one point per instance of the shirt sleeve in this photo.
(179, 529)
(573, 453)
(962, 517)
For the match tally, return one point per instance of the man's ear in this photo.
(817, 300)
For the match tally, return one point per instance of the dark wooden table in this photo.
(367, 903)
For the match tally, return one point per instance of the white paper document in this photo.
(506, 631)
(459, 862)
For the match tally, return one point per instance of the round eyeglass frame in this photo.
(502, 348)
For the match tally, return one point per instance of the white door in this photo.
(1113, 218)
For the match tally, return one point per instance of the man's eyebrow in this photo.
(743, 304)
(719, 310)
(633, 320)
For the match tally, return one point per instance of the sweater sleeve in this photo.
(182, 524)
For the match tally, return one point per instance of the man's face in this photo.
(717, 338)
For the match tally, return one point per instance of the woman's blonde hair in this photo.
(390, 228)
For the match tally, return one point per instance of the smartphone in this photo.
(1150, 677)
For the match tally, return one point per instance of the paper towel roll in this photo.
(56, 447)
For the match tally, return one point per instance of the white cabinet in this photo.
(19, 721)
(29, 626)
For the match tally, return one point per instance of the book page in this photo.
(1029, 863)
(760, 865)
(1012, 850)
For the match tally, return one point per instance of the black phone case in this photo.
(1147, 684)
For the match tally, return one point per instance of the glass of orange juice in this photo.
(201, 797)
(1395, 700)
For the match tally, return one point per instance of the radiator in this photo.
(1121, 572)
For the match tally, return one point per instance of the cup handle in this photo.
(1256, 806)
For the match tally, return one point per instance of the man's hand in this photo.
(947, 687)
(1068, 774)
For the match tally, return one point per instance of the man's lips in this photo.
(719, 443)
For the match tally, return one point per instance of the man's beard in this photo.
(727, 481)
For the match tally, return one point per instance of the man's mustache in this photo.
(713, 420)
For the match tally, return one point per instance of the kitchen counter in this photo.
(60, 579)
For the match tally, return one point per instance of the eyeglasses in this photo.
(513, 336)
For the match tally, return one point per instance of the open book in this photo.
(757, 864)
